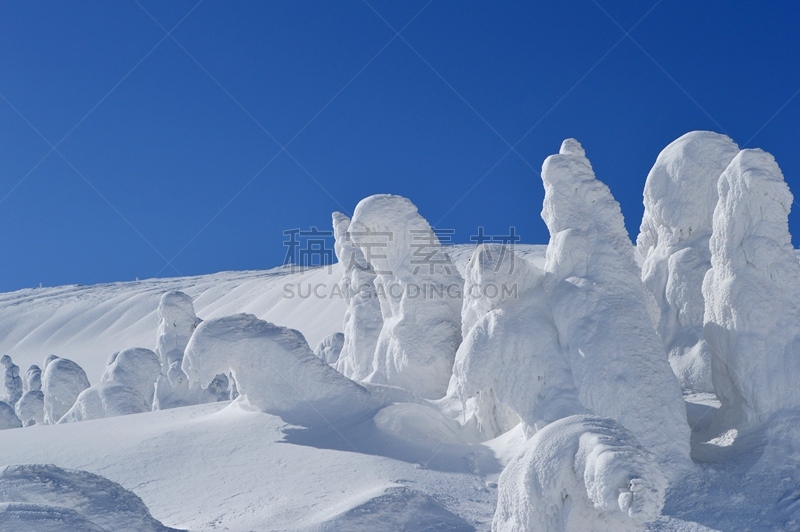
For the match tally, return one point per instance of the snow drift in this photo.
(419, 290)
(679, 200)
(275, 371)
(47, 498)
(580, 473)
(752, 321)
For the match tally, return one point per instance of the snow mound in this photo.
(176, 324)
(618, 362)
(275, 371)
(42, 496)
(330, 348)
(679, 199)
(106, 399)
(8, 418)
(33, 379)
(63, 380)
(580, 473)
(12, 384)
(401, 509)
(752, 321)
(419, 290)
(30, 408)
(137, 368)
(362, 320)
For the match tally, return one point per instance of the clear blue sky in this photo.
(169, 147)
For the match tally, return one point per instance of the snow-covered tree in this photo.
(176, 323)
(12, 384)
(679, 199)
(33, 379)
(8, 418)
(419, 290)
(63, 380)
(362, 320)
(136, 367)
(618, 363)
(752, 318)
(330, 348)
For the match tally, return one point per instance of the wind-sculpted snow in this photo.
(679, 198)
(509, 366)
(330, 348)
(63, 380)
(618, 363)
(362, 320)
(12, 384)
(419, 289)
(580, 473)
(30, 408)
(33, 379)
(8, 418)
(176, 323)
(44, 497)
(137, 368)
(275, 371)
(752, 321)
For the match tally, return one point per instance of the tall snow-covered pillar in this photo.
(752, 319)
(618, 362)
(363, 319)
(419, 289)
(679, 199)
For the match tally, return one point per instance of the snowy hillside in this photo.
(588, 384)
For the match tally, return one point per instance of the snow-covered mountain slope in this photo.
(88, 323)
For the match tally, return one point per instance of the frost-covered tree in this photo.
(679, 200)
(12, 384)
(752, 318)
(8, 418)
(330, 348)
(617, 361)
(509, 366)
(30, 408)
(362, 320)
(419, 290)
(63, 380)
(33, 379)
(136, 367)
(176, 323)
